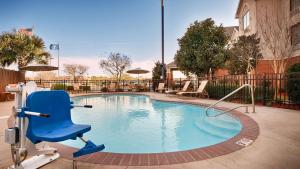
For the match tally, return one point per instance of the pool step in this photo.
(216, 129)
(222, 122)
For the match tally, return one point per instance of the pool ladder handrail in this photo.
(230, 94)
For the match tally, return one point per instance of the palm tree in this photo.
(22, 49)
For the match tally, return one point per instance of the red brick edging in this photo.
(250, 130)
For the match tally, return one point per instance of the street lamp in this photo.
(56, 47)
(162, 40)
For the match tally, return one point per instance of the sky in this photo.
(89, 30)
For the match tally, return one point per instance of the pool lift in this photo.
(43, 116)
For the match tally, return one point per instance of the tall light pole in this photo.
(56, 47)
(163, 39)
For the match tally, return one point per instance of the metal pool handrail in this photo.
(230, 94)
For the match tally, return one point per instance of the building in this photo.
(275, 21)
(27, 31)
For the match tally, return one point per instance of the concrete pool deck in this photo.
(277, 146)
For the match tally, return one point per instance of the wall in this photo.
(9, 77)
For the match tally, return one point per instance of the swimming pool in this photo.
(128, 123)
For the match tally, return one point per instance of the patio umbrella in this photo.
(39, 67)
(137, 71)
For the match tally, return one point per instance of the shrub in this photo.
(262, 93)
(104, 89)
(85, 88)
(70, 88)
(119, 90)
(293, 83)
(58, 86)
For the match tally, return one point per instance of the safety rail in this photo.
(230, 94)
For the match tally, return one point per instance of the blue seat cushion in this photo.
(59, 132)
(58, 126)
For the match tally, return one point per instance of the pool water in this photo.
(127, 123)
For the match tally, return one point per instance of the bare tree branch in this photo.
(115, 65)
(274, 27)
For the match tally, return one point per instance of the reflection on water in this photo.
(136, 124)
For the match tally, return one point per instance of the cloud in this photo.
(93, 64)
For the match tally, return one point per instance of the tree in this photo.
(202, 48)
(22, 49)
(81, 70)
(274, 27)
(293, 83)
(156, 74)
(45, 75)
(244, 55)
(156, 71)
(115, 64)
(75, 70)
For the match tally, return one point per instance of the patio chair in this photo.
(142, 87)
(161, 87)
(112, 87)
(47, 85)
(76, 87)
(184, 89)
(131, 88)
(95, 87)
(200, 91)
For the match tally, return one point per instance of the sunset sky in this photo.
(89, 30)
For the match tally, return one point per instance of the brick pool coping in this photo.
(250, 130)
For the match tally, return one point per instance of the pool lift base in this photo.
(36, 161)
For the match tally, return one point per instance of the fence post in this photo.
(123, 85)
(64, 84)
(179, 83)
(264, 90)
(86, 89)
(224, 87)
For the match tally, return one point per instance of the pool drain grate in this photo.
(244, 142)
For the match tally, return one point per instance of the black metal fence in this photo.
(280, 90)
(88, 86)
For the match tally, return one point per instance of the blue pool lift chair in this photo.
(54, 123)
(42, 116)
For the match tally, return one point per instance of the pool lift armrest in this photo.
(83, 106)
(30, 113)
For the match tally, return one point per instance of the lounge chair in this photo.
(184, 89)
(201, 90)
(161, 87)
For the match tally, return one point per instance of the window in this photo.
(295, 4)
(296, 35)
(246, 20)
